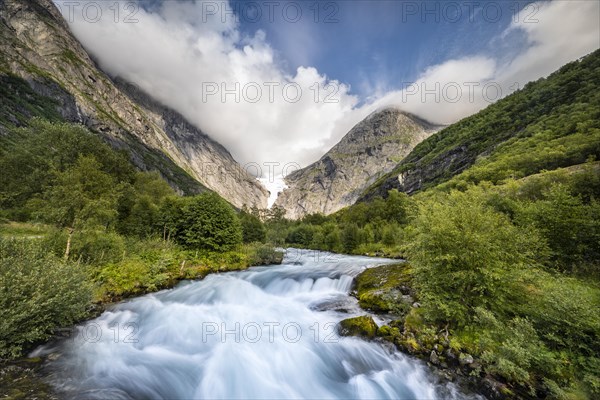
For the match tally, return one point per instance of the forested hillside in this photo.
(501, 238)
(551, 123)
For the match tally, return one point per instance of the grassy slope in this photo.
(550, 123)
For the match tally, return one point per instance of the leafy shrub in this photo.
(135, 276)
(253, 230)
(140, 205)
(301, 235)
(466, 255)
(38, 293)
(98, 247)
(571, 228)
(265, 255)
(93, 247)
(210, 223)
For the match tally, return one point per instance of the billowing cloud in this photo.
(195, 59)
(555, 33)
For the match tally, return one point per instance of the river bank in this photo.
(308, 292)
(387, 293)
(24, 378)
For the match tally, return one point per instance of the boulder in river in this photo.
(358, 326)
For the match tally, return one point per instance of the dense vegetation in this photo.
(79, 224)
(503, 272)
(551, 123)
(38, 292)
(374, 228)
(509, 274)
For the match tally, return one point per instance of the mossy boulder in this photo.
(385, 289)
(363, 326)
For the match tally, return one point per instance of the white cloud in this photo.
(447, 92)
(557, 32)
(187, 58)
(564, 31)
(177, 50)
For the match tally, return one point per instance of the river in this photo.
(264, 333)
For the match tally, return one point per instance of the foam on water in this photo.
(261, 333)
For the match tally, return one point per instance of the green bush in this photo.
(97, 247)
(209, 222)
(93, 247)
(253, 230)
(571, 228)
(38, 294)
(265, 255)
(135, 276)
(301, 235)
(467, 255)
(351, 237)
(140, 205)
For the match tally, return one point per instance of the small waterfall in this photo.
(268, 332)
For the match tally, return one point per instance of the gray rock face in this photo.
(37, 45)
(371, 149)
(418, 176)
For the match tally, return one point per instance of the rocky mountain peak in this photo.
(369, 150)
(37, 46)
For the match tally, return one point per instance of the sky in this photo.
(278, 83)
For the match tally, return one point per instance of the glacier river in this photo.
(264, 333)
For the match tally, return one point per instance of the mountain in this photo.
(45, 72)
(549, 124)
(371, 149)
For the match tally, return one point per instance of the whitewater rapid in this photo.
(264, 333)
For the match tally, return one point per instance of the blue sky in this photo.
(371, 50)
(378, 44)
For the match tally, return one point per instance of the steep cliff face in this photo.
(36, 45)
(371, 149)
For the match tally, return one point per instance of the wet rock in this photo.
(434, 358)
(450, 354)
(475, 365)
(339, 305)
(405, 290)
(494, 390)
(358, 326)
(22, 379)
(465, 359)
(444, 375)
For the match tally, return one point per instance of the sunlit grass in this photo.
(24, 230)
